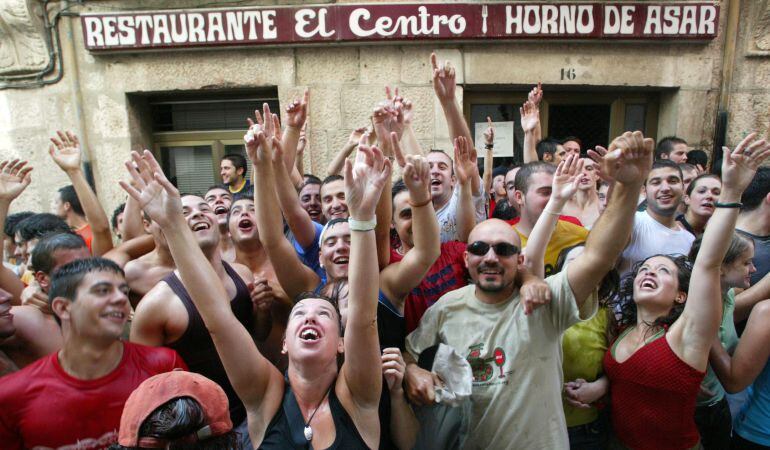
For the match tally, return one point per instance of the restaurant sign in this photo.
(152, 30)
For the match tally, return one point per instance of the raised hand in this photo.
(444, 82)
(398, 154)
(628, 160)
(536, 94)
(597, 154)
(417, 179)
(266, 124)
(393, 369)
(740, 165)
(65, 151)
(364, 180)
(566, 178)
(489, 133)
(530, 116)
(355, 135)
(388, 119)
(14, 178)
(152, 190)
(262, 295)
(296, 112)
(465, 160)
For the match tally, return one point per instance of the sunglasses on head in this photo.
(480, 248)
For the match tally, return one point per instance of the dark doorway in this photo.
(590, 123)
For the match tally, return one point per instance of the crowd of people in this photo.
(405, 298)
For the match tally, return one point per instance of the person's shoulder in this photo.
(17, 384)
(244, 272)
(154, 359)
(455, 297)
(566, 226)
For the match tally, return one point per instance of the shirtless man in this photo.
(585, 204)
(142, 274)
(220, 199)
(267, 293)
(166, 316)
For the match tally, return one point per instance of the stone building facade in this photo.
(127, 100)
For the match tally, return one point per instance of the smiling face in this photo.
(738, 273)
(664, 190)
(333, 200)
(100, 309)
(335, 251)
(313, 332)
(701, 200)
(402, 218)
(493, 273)
(230, 175)
(219, 201)
(243, 223)
(201, 220)
(656, 285)
(441, 178)
(310, 200)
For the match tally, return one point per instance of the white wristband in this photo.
(362, 225)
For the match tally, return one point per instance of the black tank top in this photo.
(196, 347)
(286, 430)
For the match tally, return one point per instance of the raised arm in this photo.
(563, 187)
(628, 162)
(489, 163)
(398, 279)
(694, 331)
(133, 225)
(338, 162)
(750, 356)
(296, 114)
(536, 96)
(292, 275)
(466, 171)
(299, 163)
(66, 153)
(445, 85)
(15, 176)
(250, 373)
(409, 143)
(361, 371)
(530, 123)
(745, 301)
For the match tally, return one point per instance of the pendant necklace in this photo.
(309, 431)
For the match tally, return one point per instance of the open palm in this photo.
(65, 151)
(14, 178)
(151, 189)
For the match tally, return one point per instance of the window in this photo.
(193, 131)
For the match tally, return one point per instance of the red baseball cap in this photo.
(159, 389)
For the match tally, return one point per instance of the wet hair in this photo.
(38, 225)
(329, 225)
(236, 198)
(574, 139)
(504, 211)
(696, 157)
(334, 289)
(221, 187)
(331, 178)
(695, 181)
(309, 178)
(624, 302)
(118, 211)
(686, 166)
(176, 420)
(521, 182)
(756, 192)
(500, 170)
(547, 145)
(451, 161)
(665, 164)
(9, 228)
(397, 188)
(239, 162)
(67, 278)
(666, 146)
(738, 245)
(42, 258)
(68, 195)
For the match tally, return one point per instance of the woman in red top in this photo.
(671, 316)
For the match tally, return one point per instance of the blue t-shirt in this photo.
(309, 255)
(753, 422)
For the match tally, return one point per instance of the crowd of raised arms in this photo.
(587, 299)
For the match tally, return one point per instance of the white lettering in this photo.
(252, 17)
(160, 30)
(126, 31)
(627, 20)
(179, 29)
(512, 20)
(234, 28)
(567, 19)
(671, 19)
(611, 20)
(302, 18)
(144, 23)
(269, 31)
(110, 31)
(456, 24)
(423, 25)
(531, 12)
(94, 36)
(216, 30)
(689, 23)
(585, 22)
(195, 22)
(708, 15)
(653, 19)
(550, 14)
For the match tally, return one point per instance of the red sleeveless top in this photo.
(653, 398)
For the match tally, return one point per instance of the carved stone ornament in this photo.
(759, 37)
(23, 49)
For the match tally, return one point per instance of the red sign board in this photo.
(399, 22)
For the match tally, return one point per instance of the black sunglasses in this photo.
(480, 248)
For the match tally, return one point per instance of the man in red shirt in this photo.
(74, 398)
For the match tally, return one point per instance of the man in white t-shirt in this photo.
(656, 230)
(515, 352)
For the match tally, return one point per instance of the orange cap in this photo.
(159, 389)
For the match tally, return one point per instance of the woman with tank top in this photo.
(317, 404)
(671, 316)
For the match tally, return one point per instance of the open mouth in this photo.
(309, 334)
(221, 209)
(435, 182)
(648, 284)
(245, 225)
(341, 260)
(115, 315)
(201, 226)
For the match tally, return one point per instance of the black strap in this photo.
(294, 419)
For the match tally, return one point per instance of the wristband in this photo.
(551, 212)
(728, 205)
(419, 205)
(489, 146)
(362, 225)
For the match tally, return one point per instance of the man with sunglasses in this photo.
(515, 350)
